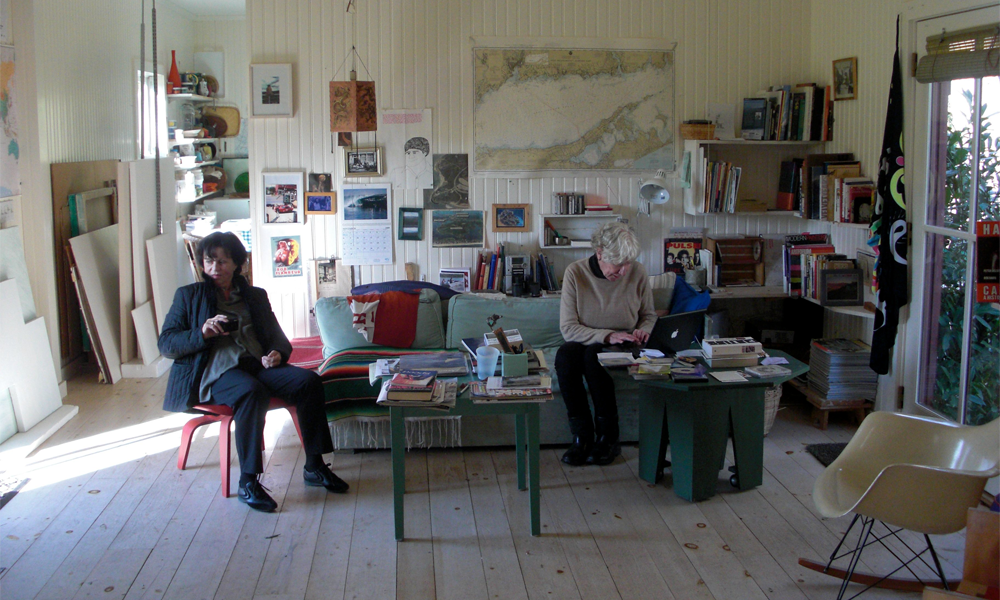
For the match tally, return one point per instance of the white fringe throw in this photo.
(421, 432)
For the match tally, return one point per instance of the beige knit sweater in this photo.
(592, 307)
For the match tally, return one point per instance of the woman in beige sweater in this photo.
(606, 299)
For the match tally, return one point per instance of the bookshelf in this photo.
(760, 162)
(578, 228)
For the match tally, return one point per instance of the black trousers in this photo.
(576, 362)
(248, 389)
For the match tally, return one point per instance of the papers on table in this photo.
(728, 376)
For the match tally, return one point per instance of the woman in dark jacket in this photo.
(228, 349)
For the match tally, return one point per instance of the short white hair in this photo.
(617, 242)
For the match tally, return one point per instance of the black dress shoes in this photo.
(577, 454)
(253, 494)
(604, 453)
(323, 476)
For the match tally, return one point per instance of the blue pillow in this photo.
(403, 286)
(686, 298)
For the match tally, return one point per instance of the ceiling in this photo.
(213, 8)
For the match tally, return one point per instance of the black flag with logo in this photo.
(889, 229)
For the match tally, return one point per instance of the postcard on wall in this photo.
(451, 182)
(282, 197)
(457, 229)
(286, 254)
(320, 182)
(407, 135)
(455, 279)
(331, 278)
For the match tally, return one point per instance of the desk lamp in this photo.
(654, 190)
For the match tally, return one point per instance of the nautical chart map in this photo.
(573, 109)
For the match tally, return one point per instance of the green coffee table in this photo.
(525, 441)
(696, 419)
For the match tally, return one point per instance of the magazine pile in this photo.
(417, 389)
(839, 371)
(526, 388)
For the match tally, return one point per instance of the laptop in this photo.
(674, 333)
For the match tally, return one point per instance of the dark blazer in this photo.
(182, 341)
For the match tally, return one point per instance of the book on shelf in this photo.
(731, 346)
(835, 172)
(754, 121)
(766, 371)
(813, 166)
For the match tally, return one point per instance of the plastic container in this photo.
(486, 361)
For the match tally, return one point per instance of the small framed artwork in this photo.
(411, 224)
(455, 279)
(840, 287)
(321, 203)
(331, 278)
(457, 229)
(511, 217)
(363, 162)
(271, 90)
(845, 78)
(320, 182)
(344, 138)
(282, 197)
(286, 252)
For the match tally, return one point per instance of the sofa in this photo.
(356, 421)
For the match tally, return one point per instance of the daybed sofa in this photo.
(356, 422)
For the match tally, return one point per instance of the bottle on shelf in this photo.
(174, 79)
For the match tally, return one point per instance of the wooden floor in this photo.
(107, 514)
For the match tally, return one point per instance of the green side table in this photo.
(696, 419)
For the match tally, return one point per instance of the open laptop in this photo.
(674, 333)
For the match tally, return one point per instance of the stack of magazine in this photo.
(442, 398)
(526, 388)
(839, 371)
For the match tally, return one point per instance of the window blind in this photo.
(964, 54)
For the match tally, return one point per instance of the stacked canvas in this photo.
(839, 371)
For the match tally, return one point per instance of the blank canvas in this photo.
(162, 253)
(145, 330)
(13, 266)
(96, 258)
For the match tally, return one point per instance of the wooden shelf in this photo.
(742, 142)
(189, 97)
(207, 196)
(854, 311)
(597, 215)
(750, 291)
(206, 163)
(578, 228)
(187, 141)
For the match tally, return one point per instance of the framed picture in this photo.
(320, 182)
(286, 255)
(321, 203)
(282, 197)
(366, 203)
(331, 278)
(411, 224)
(363, 162)
(845, 78)
(455, 279)
(271, 90)
(511, 217)
(840, 287)
(457, 229)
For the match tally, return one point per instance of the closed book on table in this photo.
(728, 362)
(737, 346)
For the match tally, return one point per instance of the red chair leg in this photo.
(187, 433)
(224, 452)
(295, 421)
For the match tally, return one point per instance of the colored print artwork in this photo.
(287, 256)
(10, 178)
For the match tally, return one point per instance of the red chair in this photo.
(224, 416)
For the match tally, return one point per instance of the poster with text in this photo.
(286, 256)
(407, 135)
(988, 261)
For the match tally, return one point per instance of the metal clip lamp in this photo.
(654, 191)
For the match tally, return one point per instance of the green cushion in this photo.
(537, 319)
(335, 320)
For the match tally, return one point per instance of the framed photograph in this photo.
(411, 224)
(366, 203)
(286, 254)
(363, 162)
(845, 78)
(320, 182)
(331, 278)
(321, 203)
(282, 197)
(455, 279)
(840, 287)
(511, 217)
(271, 90)
(457, 229)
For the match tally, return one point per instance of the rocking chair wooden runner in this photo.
(905, 472)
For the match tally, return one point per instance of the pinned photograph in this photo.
(271, 90)
(320, 182)
(286, 252)
(321, 203)
(457, 229)
(363, 162)
(282, 197)
(455, 279)
(451, 182)
(511, 217)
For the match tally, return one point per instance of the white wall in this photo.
(419, 54)
(229, 36)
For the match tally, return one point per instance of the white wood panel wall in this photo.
(419, 54)
(229, 36)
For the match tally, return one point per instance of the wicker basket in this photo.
(698, 131)
(772, 398)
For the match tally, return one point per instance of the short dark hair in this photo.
(417, 143)
(226, 240)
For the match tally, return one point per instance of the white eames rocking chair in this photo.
(907, 472)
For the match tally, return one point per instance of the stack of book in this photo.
(722, 187)
(568, 203)
(732, 352)
(442, 398)
(527, 388)
(839, 371)
(795, 246)
(411, 385)
(803, 112)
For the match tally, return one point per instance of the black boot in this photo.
(583, 441)
(606, 448)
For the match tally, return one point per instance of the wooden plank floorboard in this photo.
(496, 545)
(371, 570)
(336, 527)
(415, 554)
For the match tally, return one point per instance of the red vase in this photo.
(174, 79)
